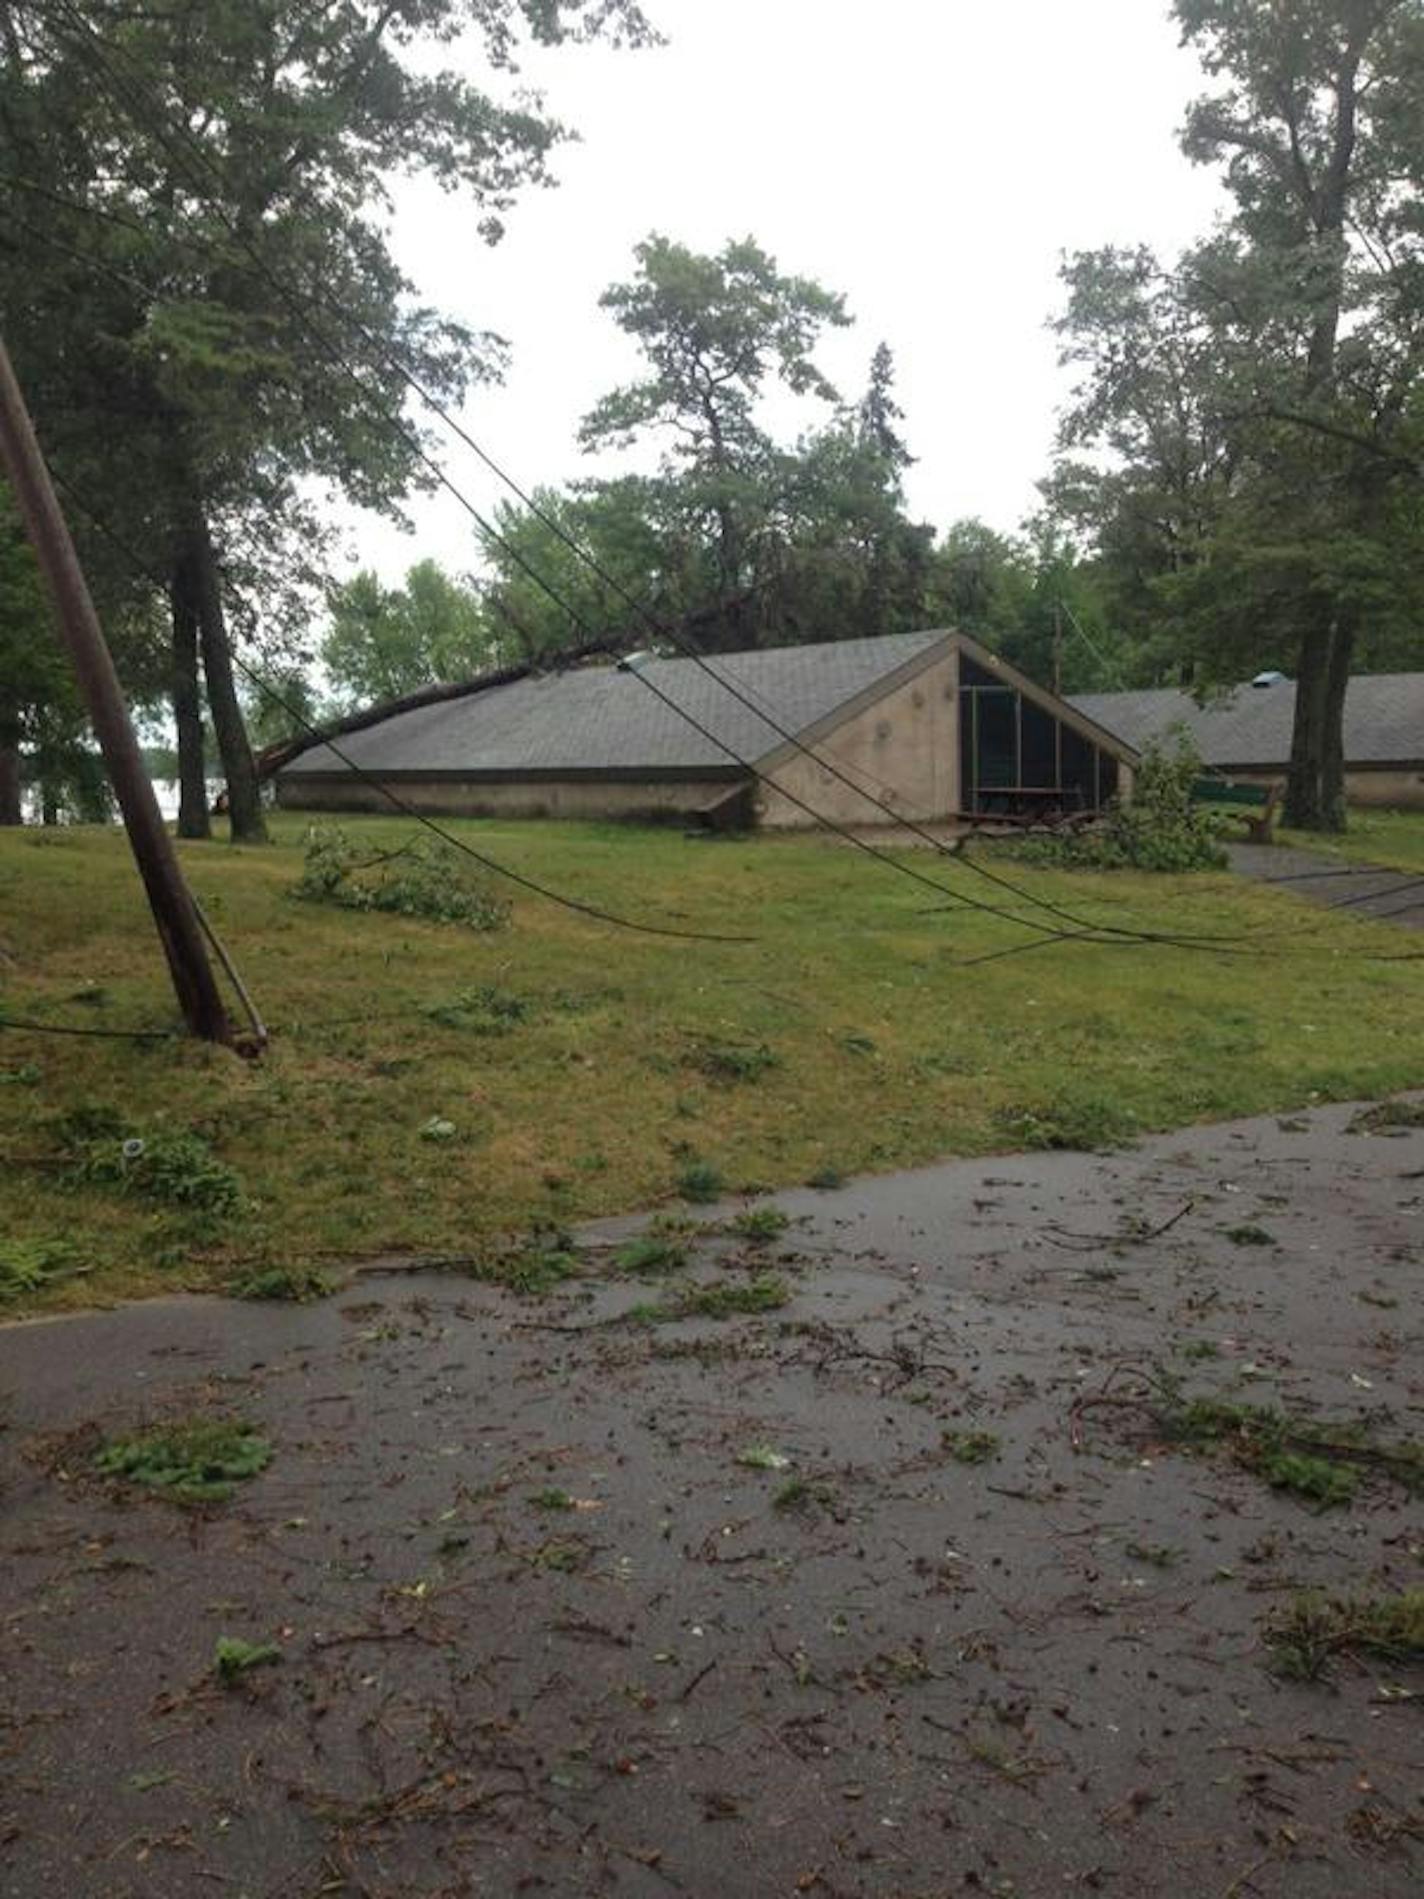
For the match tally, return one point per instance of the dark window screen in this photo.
(998, 738)
(1040, 747)
(1079, 774)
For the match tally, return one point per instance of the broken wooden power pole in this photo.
(169, 898)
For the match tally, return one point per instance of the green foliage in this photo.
(1319, 1461)
(1316, 1479)
(761, 1224)
(386, 642)
(1076, 1122)
(1159, 829)
(1252, 409)
(27, 1266)
(294, 1285)
(184, 312)
(970, 1447)
(726, 1299)
(197, 1461)
(762, 1457)
(650, 1254)
(732, 1061)
(827, 1179)
(484, 1010)
(1305, 1637)
(421, 879)
(176, 1167)
(552, 1498)
(234, 1658)
(701, 1182)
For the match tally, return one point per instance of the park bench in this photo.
(1257, 807)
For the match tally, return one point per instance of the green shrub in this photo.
(421, 879)
(1159, 829)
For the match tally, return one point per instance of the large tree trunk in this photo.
(193, 819)
(243, 791)
(1315, 789)
(1305, 784)
(1337, 684)
(11, 809)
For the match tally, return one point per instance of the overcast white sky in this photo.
(931, 159)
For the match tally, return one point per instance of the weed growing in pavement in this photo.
(726, 1299)
(970, 1447)
(649, 1254)
(552, 1498)
(760, 1224)
(799, 1493)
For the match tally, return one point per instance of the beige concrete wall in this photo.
(1404, 790)
(566, 798)
(904, 750)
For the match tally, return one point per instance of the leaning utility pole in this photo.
(172, 905)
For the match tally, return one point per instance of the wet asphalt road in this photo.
(849, 1664)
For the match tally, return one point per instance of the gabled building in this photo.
(931, 724)
(1246, 735)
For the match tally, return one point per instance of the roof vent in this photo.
(1270, 679)
(634, 662)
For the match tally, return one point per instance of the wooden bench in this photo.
(1263, 802)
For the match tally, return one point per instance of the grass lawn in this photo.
(597, 1066)
(1392, 838)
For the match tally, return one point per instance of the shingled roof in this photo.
(1251, 729)
(604, 720)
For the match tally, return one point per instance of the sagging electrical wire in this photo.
(1081, 926)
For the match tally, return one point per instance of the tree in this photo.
(386, 642)
(220, 172)
(1260, 398)
(716, 331)
(43, 736)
